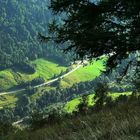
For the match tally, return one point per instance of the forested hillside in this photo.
(20, 23)
(26, 62)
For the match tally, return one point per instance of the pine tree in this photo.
(98, 28)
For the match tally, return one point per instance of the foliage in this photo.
(5, 129)
(96, 28)
(72, 105)
(101, 95)
(20, 23)
(106, 124)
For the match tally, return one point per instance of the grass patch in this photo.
(7, 79)
(47, 69)
(8, 101)
(72, 105)
(85, 73)
(117, 94)
(44, 68)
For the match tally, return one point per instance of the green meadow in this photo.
(47, 70)
(85, 73)
(44, 68)
(72, 105)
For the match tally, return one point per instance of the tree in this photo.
(96, 28)
(101, 95)
(83, 106)
(37, 120)
(136, 79)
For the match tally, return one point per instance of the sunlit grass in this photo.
(85, 73)
(117, 94)
(72, 105)
(8, 101)
(7, 79)
(45, 69)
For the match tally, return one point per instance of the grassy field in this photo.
(85, 73)
(9, 78)
(47, 69)
(44, 68)
(72, 105)
(8, 101)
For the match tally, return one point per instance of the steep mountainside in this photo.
(20, 23)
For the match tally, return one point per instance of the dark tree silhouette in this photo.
(83, 106)
(93, 29)
(101, 95)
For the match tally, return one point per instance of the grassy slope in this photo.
(44, 68)
(47, 69)
(72, 105)
(85, 73)
(8, 101)
(118, 123)
(8, 78)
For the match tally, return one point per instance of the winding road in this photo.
(41, 85)
(44, 84)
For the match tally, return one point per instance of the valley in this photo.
(47, 70)
(69, 70)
